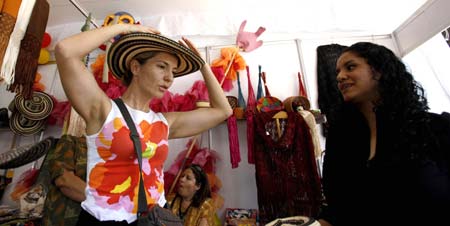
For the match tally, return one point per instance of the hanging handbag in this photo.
(156, 215)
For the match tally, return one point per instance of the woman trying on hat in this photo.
(193, 203)
(147, 63)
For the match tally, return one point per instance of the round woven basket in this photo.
(292, 103)
(233, 101)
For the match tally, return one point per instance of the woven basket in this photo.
(292, 103)
(233, 101)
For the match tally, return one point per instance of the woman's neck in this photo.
(137, 102)
(186, 199)
(368, 111)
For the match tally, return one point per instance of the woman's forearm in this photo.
(81, 44)
(217, 97)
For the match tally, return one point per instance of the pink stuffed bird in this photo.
(247, 40)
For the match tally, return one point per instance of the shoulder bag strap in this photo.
(142, 200)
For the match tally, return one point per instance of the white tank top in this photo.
(112, 165)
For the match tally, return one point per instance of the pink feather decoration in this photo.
(201, 156)
(59, 112)
(227, 84)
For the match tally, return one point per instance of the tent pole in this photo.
(84, 12)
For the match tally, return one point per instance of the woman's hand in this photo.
(188, 44)
(71, 185)
(130, 28)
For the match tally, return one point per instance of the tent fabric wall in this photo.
(430, 19)
(429, 65)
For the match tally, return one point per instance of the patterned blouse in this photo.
(193, 214)
(113, 170)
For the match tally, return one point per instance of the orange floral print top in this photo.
(112, 165)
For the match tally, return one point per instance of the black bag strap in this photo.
(142, 200)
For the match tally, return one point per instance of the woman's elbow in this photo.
(62, 50)
(228, 112)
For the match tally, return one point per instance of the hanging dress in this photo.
(287, 179)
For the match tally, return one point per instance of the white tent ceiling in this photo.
(223, 17)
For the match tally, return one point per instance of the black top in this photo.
(393, 188)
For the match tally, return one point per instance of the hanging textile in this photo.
(233, 137)
(287, 179)
(260, 92)
(250, 111)
(329, 96)
(311, 121)
(8, 15)
(30, 47)
(12, 50)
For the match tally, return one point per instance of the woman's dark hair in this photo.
(402, 100)
(141, 58)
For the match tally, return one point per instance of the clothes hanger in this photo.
(279, 115)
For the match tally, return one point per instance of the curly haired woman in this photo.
(387, 157)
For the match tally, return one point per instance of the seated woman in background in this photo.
(193, 203)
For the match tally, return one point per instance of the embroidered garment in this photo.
(113, 170)
(193, 215)
(287, 179)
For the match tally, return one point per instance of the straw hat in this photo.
(38, 107)
(25, 154)
(128, 46)
(292, 103)
(29, 115)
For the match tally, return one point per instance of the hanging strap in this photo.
(302, 90)
(265, 84)
(241, 100)
(259, 93)
(142, 200)
(250, 112)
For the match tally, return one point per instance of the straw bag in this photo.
(296, 220)
(155, 216)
